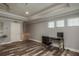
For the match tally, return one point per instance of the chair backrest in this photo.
(60, 34)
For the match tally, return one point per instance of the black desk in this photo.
(60, 41)
(49, 40)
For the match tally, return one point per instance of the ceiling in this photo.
(32, 8)
(36, 10)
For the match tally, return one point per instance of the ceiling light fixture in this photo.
(27, 12)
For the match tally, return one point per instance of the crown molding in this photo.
(59, 16)
(12, 16)
(53, 5)
(4, 6)
(55, 11)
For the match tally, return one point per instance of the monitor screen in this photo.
(60, 34)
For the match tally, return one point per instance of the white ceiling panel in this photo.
(32, 8)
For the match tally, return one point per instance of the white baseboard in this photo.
(75, 50)
(8, 42)
(36, 40)
(71, 49)
(5, 43)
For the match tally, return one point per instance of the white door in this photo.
(15, 32)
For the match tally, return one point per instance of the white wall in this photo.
(7, 30)
(71, 34)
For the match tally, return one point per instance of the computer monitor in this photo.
(60, 34)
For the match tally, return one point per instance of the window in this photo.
(51, 24)
(73, 22)
(60, 23)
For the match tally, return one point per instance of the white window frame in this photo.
(59, 23)
(73, 22)
(51, 24)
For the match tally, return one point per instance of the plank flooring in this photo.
(32, 48)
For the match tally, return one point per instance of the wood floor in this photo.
(32, 48)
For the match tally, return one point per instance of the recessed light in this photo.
(27, 12)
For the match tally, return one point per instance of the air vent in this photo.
(26, 3)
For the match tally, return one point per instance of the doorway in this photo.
(16, 31)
